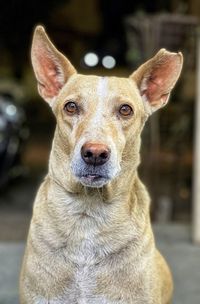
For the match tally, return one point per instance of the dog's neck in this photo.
(123, 191)
(96, 210)
(82, 217)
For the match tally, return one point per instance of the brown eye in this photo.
(125, 110)
(71, 108)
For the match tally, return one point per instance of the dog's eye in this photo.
(125, 110)
(71, 108)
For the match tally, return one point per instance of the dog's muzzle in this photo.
(93, 166)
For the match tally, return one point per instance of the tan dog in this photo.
(90, 238)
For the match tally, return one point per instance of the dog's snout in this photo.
(95, 153)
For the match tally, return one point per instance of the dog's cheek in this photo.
(132, 138)
(66, 128)
(119, 141)
(62, 143)
(121, 144)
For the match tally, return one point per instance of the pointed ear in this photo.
(51, 68)
(157, 77)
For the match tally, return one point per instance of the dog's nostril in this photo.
(88, 154)
(104, 155)
(95, 154)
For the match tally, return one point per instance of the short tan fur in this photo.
(90, 239)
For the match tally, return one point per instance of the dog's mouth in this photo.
(93, 180)
(95, 176)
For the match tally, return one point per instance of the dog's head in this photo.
(99, 119)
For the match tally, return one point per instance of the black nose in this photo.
(95, 154)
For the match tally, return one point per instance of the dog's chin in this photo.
(93, 180)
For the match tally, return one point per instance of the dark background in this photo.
(130, 31)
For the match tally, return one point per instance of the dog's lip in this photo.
(93, 180)
(92, 177)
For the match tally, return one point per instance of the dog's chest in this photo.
(95, 253)
(84, 288)
(91, 264)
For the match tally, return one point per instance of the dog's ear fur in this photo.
(52, 69)
(157, 77)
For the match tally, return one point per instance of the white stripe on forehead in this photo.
(101, 92)
(102, 87)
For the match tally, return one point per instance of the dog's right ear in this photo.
(52, 69)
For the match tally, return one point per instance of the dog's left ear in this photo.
(52, 69)
(157, 77)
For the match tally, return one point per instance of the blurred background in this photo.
(104, 37)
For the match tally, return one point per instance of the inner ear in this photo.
(49, 75)
(157, 84)
(157, 77)
(52, 69)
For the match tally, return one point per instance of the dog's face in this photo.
(97, 115)
(99, 119)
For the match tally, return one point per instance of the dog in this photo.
(90, 239)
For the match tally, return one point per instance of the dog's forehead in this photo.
(100, 86)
